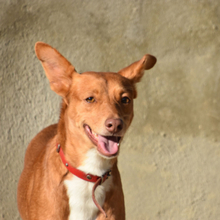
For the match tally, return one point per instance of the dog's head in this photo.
(100, 105)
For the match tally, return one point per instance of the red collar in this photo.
(85, 176)
(98, 180)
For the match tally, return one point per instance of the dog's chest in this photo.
(79, 191)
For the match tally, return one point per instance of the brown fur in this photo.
(41, 190)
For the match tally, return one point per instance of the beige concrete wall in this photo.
(170, 158)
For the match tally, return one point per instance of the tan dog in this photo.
(66, 162)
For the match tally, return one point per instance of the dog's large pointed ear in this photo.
(135, 71)
(57, 68)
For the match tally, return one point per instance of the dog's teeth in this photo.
(96, 135)
(118, 144)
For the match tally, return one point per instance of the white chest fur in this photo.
(79, 191)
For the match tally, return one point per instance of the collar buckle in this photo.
(105, 176)
(58, 148)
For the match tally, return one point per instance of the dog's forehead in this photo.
(92, 78)
(101, 80)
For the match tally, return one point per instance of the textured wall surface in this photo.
(170, 158)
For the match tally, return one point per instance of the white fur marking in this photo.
(79, 191)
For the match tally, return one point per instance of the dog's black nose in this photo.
(114, 125)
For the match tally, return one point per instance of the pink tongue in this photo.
(107, 146)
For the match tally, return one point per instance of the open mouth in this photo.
(106, 145)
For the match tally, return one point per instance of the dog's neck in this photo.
(61, 129)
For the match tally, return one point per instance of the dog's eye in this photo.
(90, 99)
(125, 100)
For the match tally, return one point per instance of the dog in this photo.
(70, 168)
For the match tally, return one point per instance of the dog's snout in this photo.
(114, 125)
